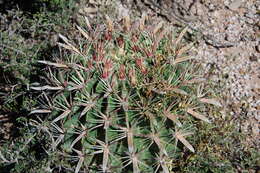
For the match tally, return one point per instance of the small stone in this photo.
(253, 58)
(258, 48)
(211, 7)
(54, 40)
(235, 4)
(201, 9)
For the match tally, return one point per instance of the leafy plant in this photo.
(126, 98)
(27, 152)
(26, 38)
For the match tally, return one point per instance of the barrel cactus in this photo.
(125, 98)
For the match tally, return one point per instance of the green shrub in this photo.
(26, 38)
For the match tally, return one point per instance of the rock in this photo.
(122, 11)
(235, 4)
(253, 58)
(201, 9)
(257, 48)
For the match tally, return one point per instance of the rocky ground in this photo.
(238, 66)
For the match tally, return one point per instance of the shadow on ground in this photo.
(30, 6)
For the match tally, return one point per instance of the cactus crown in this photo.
(126, 96)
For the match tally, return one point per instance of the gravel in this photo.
(237, 67)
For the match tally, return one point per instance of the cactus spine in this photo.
(126, 96)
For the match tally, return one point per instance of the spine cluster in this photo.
(127, 97)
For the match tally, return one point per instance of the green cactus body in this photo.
(125, 99)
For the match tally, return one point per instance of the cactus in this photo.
(126, 99)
